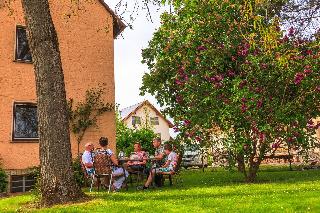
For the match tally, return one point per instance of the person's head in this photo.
(89, 147)
(156, 142)
(167, 148)
(103, 141)
(137, 147)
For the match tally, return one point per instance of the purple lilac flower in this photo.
(187, 122)
(298, 78)
(291, 31)
(259, 103)
(231, 73)
(242, 84)
(243, 108)
(201, 48)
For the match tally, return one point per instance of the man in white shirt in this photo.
(87, 158)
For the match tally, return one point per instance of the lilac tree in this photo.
(226, 67)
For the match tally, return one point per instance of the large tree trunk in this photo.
(57, 180)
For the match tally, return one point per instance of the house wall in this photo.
(87, 51)
(145, 113)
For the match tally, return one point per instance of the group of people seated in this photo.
(164, 161)
(118, 173)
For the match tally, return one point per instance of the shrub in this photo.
(78, 173)
(3, 181)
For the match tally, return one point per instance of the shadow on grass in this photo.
(196, 180)
(231, 193)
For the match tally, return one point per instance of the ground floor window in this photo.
(22, 183)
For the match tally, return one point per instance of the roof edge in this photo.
(146, 102)
(118, 25)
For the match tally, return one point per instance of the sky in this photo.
(128, 67)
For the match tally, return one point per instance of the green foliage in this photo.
(78, 173)
(36, 191)
(126, 137)
(226, 68)
(3, 181)
(85, 114)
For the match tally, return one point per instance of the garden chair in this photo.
(102, 169)
(174, 175)
(139, 174)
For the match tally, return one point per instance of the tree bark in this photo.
(57, 179)
(252, 173)
(241, 163)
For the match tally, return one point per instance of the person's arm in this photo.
(144, 159)
(144, 162)
(114, 160)
(88, 165)
(159, 156)
(166, 164)
(87, 161)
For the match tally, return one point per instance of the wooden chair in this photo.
(102, 169)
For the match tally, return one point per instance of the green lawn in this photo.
(277, 190)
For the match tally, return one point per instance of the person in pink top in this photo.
(138, 157)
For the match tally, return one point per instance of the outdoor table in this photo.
(122, 161)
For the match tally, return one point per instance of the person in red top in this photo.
(138, 157)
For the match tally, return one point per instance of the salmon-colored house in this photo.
(86, 36)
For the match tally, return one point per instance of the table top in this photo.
(128, 159)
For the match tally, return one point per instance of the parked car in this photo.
(194, 158)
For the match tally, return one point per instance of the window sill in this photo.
(25, 140)
(23, 62)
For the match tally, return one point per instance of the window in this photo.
(154, 120)
(136, 120)
(25, 121)
(22, 183)
(22, 52)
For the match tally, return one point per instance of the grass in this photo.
(277, 190)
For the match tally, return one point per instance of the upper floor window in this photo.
(154, 120)
(136, 120)
(22, 52)
(25, 121)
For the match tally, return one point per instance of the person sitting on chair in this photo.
(168, 166)
(87, 158)
(159, 155)
(139, 159)
(118, 173)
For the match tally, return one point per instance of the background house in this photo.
(87, 50)
(144, 113)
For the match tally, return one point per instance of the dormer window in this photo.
(22, 52)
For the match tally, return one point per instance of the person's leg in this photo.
(117, 183)
(150, 178)
(117, 172)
